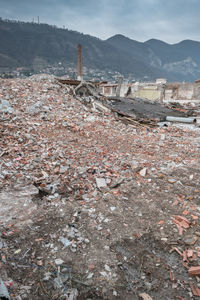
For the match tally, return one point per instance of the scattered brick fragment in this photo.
(195, 290)
(145, 296)
(194, 271)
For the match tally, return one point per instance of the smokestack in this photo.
(79, 64)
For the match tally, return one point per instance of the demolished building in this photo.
(160, 91)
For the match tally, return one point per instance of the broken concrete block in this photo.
(112, 208)
(26, 191)
(3, 291)
(91, 119)
(59, 261)
(63, 169)
(162, 137)
(16, 204)
(143, 172)
(35, 108)
(65, 242)
(101, 183)
(5, 106)
(99, 106)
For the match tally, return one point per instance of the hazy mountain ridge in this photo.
(29, 44)
(181, 61)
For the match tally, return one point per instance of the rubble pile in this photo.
(92, 208)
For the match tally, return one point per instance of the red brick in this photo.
(194, 271)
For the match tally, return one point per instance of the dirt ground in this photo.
(97, 209)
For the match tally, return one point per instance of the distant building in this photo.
(161, 81)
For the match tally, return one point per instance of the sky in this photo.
(168, 20)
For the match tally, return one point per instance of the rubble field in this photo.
(90, 207)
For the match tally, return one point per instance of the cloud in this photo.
(171, 20)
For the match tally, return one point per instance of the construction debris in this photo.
(85, 89)
(195, 290)
(4, 295)
(92, 207)
(194, 271)
(145, 112)
(145, 296)
(129, 110)
(5, 106)
(181, 120)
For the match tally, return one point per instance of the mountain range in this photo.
(27, 44)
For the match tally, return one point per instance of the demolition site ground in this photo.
(92, 208)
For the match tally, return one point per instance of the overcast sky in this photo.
(167, 20)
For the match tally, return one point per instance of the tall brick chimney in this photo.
(79, 64)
